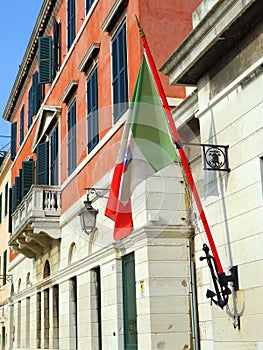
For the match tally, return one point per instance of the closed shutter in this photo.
(13, 140)
(6, 198)
(10, 207)
(16, 193)
(27, 176)
(54, 157)
(42, 162)
(45, 59)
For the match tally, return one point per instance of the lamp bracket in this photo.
(96, 191)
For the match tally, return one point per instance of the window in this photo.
(92, 110)
(72, 137)
(71, 29)
(55, 316)
(6, 198)
(119, 73)
(56, 46)
(23, 183)
(47, 161)
(22, 124)
(88, 5)
(28, 322)
(34, 98)
(54, 157)
(13, 140)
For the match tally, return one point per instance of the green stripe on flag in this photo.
(149, 123)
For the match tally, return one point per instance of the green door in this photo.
(129, 303)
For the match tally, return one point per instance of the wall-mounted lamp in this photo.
(88, 216)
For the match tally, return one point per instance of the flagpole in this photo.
(180, 149)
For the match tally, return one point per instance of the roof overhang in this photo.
(223, 26)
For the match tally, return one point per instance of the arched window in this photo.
(46, 269)
(71, 253)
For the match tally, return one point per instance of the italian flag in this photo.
(145, 148)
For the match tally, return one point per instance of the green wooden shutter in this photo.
(14, 199)
(42, 164)
(6, 198)
(27, 176)
(35, 97)
(16, 193)
(10, 210)
(13, 140)
(45, 59)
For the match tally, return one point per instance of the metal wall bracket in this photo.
(215, 157)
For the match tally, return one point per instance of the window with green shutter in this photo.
(10, 207)
(54, 157)
(16, 193)
(45, 66)
(27, 176)
(42, 164)
(6, 198)
(13, 140)
(22, 114)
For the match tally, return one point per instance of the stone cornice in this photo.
(227, 21)
(30, 53)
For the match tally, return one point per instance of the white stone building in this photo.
(222, 58)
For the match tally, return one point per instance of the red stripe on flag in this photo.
(116, 210)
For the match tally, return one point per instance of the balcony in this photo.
(35, 222)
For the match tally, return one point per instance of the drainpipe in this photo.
(193, 293)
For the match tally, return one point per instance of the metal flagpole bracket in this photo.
(215, 157)
(220, 280)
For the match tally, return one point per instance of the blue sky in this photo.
(17, 20)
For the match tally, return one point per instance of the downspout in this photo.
(193, 296)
